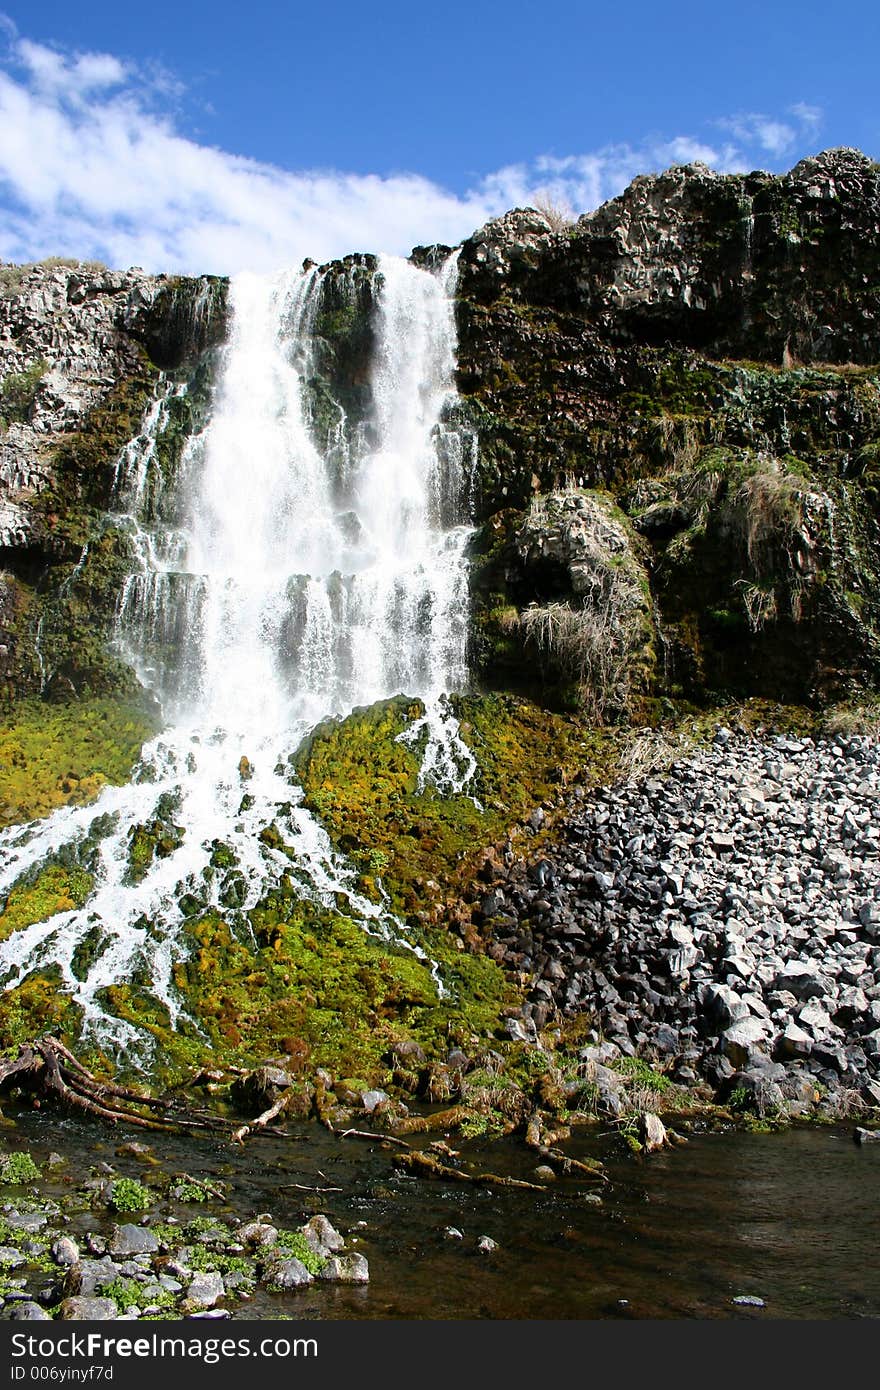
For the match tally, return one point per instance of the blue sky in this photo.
(215, 137)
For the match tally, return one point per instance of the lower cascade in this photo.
(285, 575)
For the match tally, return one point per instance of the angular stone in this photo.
(724, 1005)
(87, 1277)
(871, 1043)
(743, 1039)
(816, 1019)
(871, 1093)
(322, 1236)
(133, 1240)
(803, 979)
(26, 1220)
(204, 1291)
(88, 1309)
(346, 1269)
(288, 1274)
(29, 1312)
(866, 1136)
(65, 1251)
(794, 1042)
(258, 1233)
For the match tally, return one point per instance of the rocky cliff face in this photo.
(702, 351)
(82, 349)
(678, 408)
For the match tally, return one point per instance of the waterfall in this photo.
(279, 579)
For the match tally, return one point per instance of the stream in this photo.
(787, 1218)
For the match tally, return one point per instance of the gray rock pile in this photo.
(723, 917)
(203, 1268)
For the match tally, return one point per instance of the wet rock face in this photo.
(68, 335)
(81, 348)
(60, 347)
(722, 918)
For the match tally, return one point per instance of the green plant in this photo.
(638, 1072)
(128, 1195)
(18, 391)
(188, 1190)
(738, 1099)
(126, 1293)
(18, 1168)
(198, 1257)
(295, 1246)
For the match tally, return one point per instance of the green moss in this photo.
(363, 784)
(302, 979)
(85, 460)
(59, 755)
(158, 839)
(487, 1125)
(56, 888)
(34, 1007)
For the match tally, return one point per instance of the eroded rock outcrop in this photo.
(83, 352)
(704, 349)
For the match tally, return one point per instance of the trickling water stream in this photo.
(276, 583)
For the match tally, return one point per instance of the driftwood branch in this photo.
(423, 1165)
(369, 1134)
(304, 1187)
(46, 1067)
(239, 1135)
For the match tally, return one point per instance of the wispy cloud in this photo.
(92, 164)
(772, 135)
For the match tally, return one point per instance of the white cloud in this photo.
(809, 117)
(771, 135)
(92, 165)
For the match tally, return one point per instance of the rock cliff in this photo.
(703, 350)
(693, 365)
(82, 349)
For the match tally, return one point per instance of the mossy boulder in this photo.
(562, 604)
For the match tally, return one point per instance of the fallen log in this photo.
(48, 1069)
(239, 1135)
(424, 1165)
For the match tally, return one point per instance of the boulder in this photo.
(349, 1268)
(322, 1236)
(132, 1240)
(79, 1309)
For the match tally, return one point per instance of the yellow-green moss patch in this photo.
(61, 755)
(55, 889)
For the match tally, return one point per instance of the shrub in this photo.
(18, 391)
(558, 214)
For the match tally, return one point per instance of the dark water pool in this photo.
(790, 1218)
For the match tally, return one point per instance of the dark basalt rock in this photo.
(703, 349)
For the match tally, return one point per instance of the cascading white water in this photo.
(282, 583)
